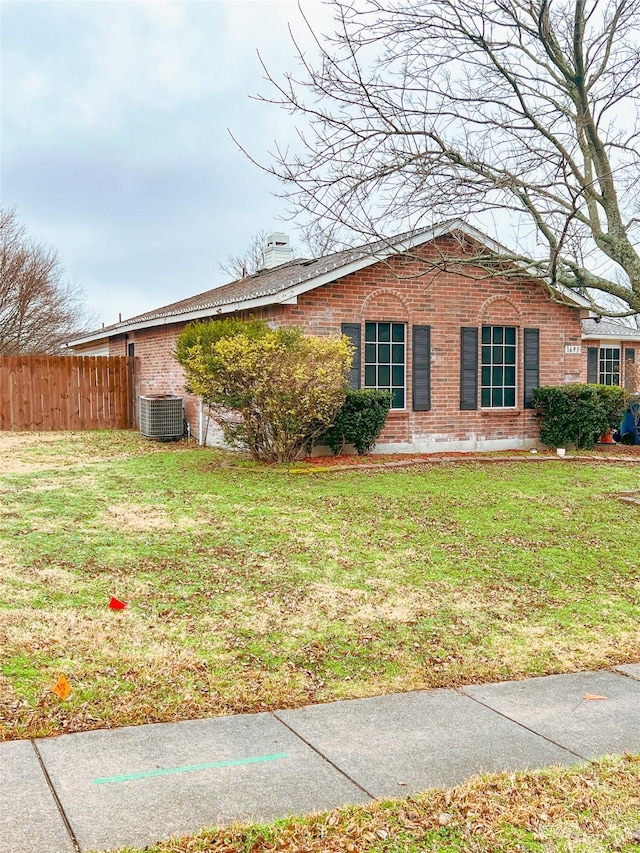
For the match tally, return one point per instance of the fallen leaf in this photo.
(593, 696)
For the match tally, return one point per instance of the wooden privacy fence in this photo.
(67, 392)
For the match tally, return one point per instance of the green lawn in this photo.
(249, 590)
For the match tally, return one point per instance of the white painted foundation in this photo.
(480, 445)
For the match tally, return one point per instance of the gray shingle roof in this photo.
(266, 282)
(609, 329)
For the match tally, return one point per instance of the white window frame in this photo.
(606, 365)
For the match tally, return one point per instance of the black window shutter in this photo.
(531, 364)
(468, 368)
(629, 355)
(421, 368)
(592, 365)
(354, 332)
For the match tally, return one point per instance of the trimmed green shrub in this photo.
(578, 414)
(359, 421)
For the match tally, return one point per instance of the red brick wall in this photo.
(400, 291)
(159, 372)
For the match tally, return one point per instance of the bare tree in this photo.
(249, 260)
(315, 242)
(524, 110)
(39, 311)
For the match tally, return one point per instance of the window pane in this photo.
(380, 353)
(498, 382)
(398, 398)
(397, 353)
(370, 376)
(609, 366)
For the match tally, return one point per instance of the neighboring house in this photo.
(460, 351)
(613, 353)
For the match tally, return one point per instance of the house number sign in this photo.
(573, 350)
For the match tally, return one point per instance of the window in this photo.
(385, 359)
(131, 349)
(609, 366)
(498, 367)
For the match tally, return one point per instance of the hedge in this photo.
(578, 414)
(359, 421)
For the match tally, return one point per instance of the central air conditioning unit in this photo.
(161, 417)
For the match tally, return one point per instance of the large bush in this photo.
(359, 421)
(272, 391)
(578, 414)
(196, 352)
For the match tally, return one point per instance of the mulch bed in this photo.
(600, 453)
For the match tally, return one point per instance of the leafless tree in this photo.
(315, 242)
(39, 311)
(249, 260)
(521, 110)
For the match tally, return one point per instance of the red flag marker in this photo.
(116, 604)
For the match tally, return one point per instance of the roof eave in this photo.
(594, 336)
(295, 289)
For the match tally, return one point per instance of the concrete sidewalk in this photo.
(135, 786)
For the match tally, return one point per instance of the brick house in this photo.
(613, 353)
(461, 351)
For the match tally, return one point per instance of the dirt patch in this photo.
(16, 446)
(141, 518)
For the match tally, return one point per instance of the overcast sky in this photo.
(115, 149)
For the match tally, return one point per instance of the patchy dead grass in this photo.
(593, 808)
(247, 593)
(26, 452)
(139, 517)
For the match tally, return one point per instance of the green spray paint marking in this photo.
(189, 768)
